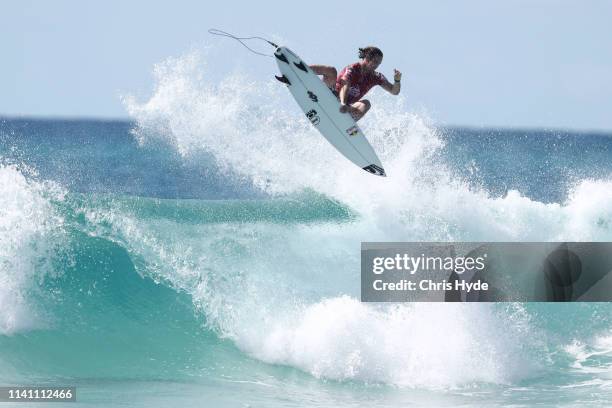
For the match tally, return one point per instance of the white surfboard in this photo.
(322, 108)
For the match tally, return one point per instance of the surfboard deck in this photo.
(322, 108)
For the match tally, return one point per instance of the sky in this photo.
(502, 63)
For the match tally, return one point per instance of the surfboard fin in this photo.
(301, 66)
(281, 57)
(282, 79)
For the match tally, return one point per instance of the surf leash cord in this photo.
(221, 33)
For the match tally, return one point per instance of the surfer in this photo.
(355, 80)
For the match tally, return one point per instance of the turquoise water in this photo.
(207, 253)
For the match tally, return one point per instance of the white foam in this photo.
(430, 346)
(593, 356)
(27, 241)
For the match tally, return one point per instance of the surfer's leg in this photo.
(360, 108)
(329, 74)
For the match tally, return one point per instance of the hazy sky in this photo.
(525, 63)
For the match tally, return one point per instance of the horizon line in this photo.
(127, 119)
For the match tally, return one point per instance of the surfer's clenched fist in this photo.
(397, 76)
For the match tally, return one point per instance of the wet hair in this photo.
(369, 52)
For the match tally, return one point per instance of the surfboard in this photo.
(322, 109)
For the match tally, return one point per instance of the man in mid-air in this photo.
(355, 80)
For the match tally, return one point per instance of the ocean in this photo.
(206, 252)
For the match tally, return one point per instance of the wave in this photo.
(178, 278)
(131, 276)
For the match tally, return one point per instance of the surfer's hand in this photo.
(344, 108)
(397, 76)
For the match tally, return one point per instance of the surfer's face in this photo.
(372, 64)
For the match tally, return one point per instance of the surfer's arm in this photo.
(343, 96)
(395, 87)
